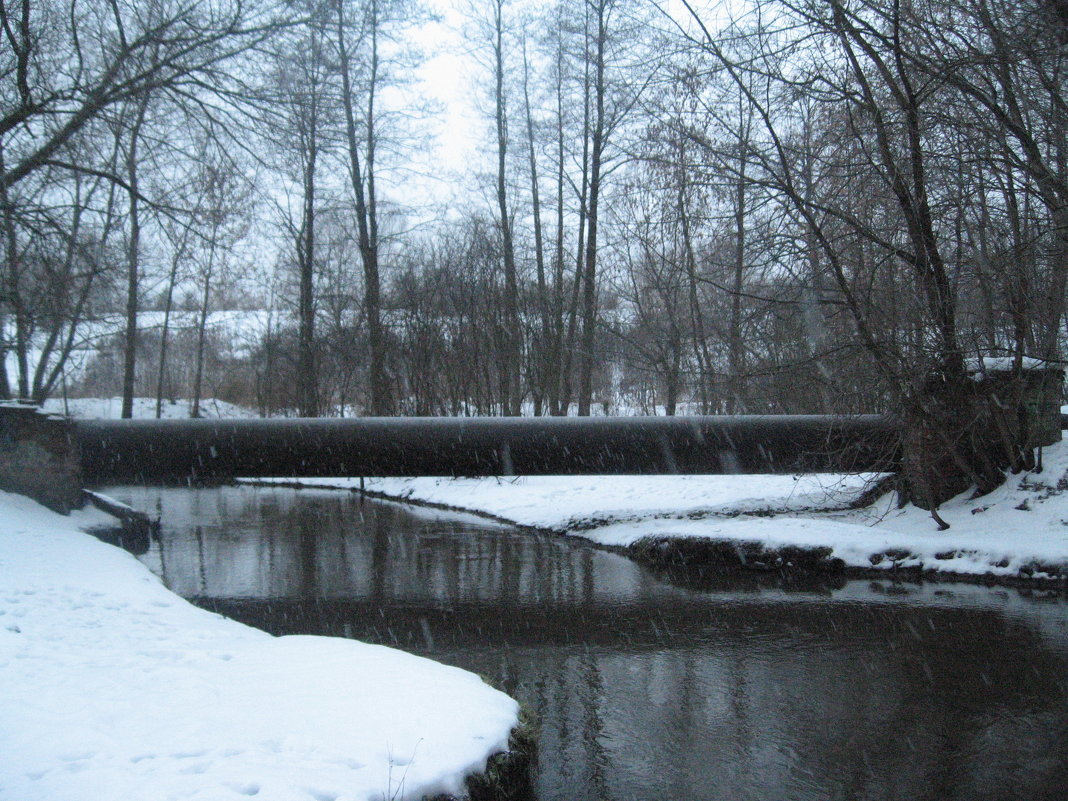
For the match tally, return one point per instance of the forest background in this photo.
(314, 207)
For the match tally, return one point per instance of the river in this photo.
(650, 684)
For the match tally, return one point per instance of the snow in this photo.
(1021, 529)
(111, 408)
(114, 688)
(240, 331)
(1006, 364)
(567, 503)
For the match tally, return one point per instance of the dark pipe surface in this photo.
(204, 450)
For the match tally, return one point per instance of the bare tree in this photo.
(133, 255)
(361, 139)
(69, 71)
(613, 45)
(601, 14)
(302, 131)
(887, 214)
(224, 208)
(495, 32)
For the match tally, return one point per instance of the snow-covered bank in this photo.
(112, 687)
(111, 408)
(580, 504)
(1019, 531)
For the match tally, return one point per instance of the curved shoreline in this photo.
(813, 561)
(737, 554)
(147, 695)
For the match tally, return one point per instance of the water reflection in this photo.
(260, 543)
(656, 686)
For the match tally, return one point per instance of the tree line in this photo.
(833, 206)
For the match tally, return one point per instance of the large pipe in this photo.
(205, 450)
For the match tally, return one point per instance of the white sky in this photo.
(457, 132)
(460, 136)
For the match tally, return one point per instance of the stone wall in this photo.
(996, 421)
(39, 457)
(1034, 407)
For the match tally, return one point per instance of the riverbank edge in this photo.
(749, 556)
(508, 775)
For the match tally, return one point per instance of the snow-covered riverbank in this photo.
(1018, 531)
(113, 688)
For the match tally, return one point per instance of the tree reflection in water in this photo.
(656, 685)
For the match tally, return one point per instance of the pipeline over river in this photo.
(151, 451)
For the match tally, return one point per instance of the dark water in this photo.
(649, 685)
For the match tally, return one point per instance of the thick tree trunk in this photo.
(133, 256)
(307, 377)
(10, 279)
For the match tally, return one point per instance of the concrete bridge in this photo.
(210, 450)
(52, 458)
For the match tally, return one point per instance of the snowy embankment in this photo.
(113, 688)
(1018, 531)
(111, 408)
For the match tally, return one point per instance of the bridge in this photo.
(154, 451)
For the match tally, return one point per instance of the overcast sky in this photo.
(460, 133)
(456, 131)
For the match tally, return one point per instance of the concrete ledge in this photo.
(39, 457)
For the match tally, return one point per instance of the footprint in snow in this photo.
(245, 789)
(351, 764)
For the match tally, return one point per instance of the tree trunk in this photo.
(544, 358)
(589, 283)
(568, 347)
(379, 401)
(511, 393)
(307, 377)
(44, 378)
(697, 318)
(202, 325)
(133, 256)
(165, 333)
(736, 393)
(9, 280)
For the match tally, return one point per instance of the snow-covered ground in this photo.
(241, 331)
(111, 408)
(1020, 530)
(570, 504)
(112, 688)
